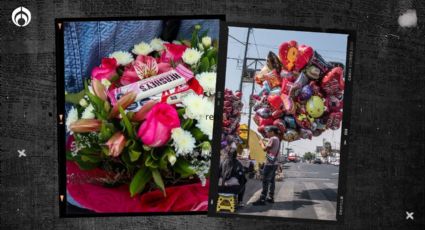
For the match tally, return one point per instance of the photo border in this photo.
(345, 126)
(60, 95)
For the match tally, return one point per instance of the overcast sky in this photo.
(331, 46)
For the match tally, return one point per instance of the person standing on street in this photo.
(269, 172)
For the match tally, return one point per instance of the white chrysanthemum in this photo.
(142, 48)
(123, 57)
(184, 142)
(71, 118)
(195, 106)
(191, 56)
(206, 41)
(157, 44)
(207, 81)
(88, 113)
(206, 126)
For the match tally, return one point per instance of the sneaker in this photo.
(270, 200)
(259, 202)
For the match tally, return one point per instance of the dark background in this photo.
(386, 152)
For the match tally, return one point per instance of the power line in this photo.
(236, 39)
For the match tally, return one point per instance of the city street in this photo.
(308, 191)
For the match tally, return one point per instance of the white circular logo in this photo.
(21, 16)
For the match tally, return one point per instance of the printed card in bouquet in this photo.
(285, 124)
(136, 102)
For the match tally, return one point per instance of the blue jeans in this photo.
(269, 174)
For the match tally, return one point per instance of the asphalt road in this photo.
(308, 191)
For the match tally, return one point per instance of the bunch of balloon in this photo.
(301, 93)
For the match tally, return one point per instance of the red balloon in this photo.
(262, 121)
(288, 104)
(275, 101)
(280, 124)
(304, 55)
(333, 103)
(333, 82)
(334, 120)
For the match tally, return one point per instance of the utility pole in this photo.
(244, 57)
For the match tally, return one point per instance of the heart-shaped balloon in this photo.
(333, 82)
(304, 55)
(288, 52)
(275, 101)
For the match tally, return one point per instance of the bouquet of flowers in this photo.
(145, 117)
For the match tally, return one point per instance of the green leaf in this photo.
(90, 158)
(158, 180)
(150, 162)
(198, 134)
(138, 183)
(187, 124)
(205, 65)
(181, 111)
(117, 76)
(127, 123)
(86, 165)
(74, 98)
(69, 156)
(134, 155)
(106, 131)
(211, 53)
(183, 168)
(195, 40)
(212, 64)
(98, 104)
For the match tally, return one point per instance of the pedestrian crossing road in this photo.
(308, 191)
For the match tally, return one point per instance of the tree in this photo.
(308, 156)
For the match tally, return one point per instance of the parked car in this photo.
(317, 161)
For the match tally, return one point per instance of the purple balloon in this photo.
(306, 92)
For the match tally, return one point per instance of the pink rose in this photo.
(172, 52)
(106, 70)
(156, 129)
(129, 75)
(164, 67)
